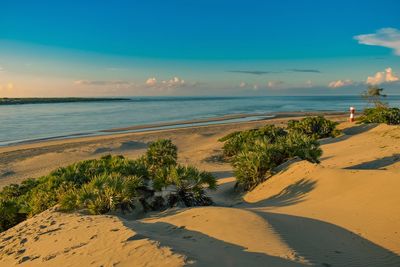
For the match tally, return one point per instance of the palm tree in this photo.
(374, 95)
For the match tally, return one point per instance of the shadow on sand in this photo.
(125, 146)
(223, 174)
(216, 158)
(201, 249)
(326, 244)
(318, 242)
(292, 194)
(226, 194)
(349, 132)
(377, 163)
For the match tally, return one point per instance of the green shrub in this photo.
(81, 172)
(161, 153)
(103, 194)
(303, 146)
(254, 154)
(9, 214)
(108, 184)
(255, 162)
(317, 127)
(235, 142)
(258, 160)
(189, 184)
(15, 190)
(381, 114)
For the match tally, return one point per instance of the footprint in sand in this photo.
(21, 251)
(9, 252)
(23, 259)
(7, 238)
(49, 257)
(50, 231)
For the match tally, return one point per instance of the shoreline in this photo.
(34, 159)
(6, 101)
(219, 120)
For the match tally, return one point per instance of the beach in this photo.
(341, 212)
(39, 157)
(204, 133)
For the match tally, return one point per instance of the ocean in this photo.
(22, 123)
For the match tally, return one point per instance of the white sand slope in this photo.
(342, 212)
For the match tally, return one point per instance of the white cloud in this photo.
(274, 84)
(170, 84)
(386, 37)
(242, 85)
(151, 81)
(390, 76)
(386, 76)
(150, 84)
(246, 86)
(87, 82)
(1, 69)
(174, 82)
(340, 83)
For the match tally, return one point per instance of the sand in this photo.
(341, 212)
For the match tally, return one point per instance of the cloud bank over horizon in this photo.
(380, 77)
(340, 83)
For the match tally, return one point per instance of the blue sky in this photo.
(67, 48)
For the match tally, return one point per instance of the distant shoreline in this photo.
(53, 100)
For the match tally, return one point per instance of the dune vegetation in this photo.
(254, 154)
(154, 181)
(381, 112)
(388, 115)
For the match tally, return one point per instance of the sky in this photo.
(224, 48)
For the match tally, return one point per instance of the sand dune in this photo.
(342, 212)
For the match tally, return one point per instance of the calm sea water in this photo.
(36, 121)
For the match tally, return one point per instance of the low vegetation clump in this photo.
(318, 127)
(386, 115)
(237, 141)
(255, 154)
(381, 112)
(155, 181)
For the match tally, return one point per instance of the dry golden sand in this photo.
(342, 212)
